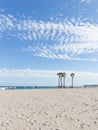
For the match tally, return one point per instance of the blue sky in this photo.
(39, 38)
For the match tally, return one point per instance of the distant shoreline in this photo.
(44, 87)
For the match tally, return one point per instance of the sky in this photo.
(39, 38)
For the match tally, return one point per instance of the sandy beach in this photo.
(49, 109)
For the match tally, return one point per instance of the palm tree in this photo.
(63, 75)
(72, 76)
(58, 79)
(61, 79)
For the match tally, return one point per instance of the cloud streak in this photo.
(86, 1)
(26, 73)
(68, 39)
(29, 74)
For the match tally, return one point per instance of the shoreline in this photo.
(41, 87)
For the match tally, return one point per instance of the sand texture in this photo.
(49, 109)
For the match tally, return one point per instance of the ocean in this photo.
(40, 87)
(26, 87)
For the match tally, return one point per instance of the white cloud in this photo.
(29, 76)
(69, 51)
(86, 1)
(68, 39)
(26, 73)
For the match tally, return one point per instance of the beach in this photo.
(49, 109)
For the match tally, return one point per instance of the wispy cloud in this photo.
(86, 1)
(68, 39)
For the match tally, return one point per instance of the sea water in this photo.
(26, 87)
(38, 87)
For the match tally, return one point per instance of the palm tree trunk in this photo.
(72, 82)
(61, 81)
(64, 82)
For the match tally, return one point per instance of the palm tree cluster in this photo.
(61, 79)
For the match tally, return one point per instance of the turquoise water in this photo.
(35, 87)
(26, 87)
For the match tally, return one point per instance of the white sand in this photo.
(50, 109)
